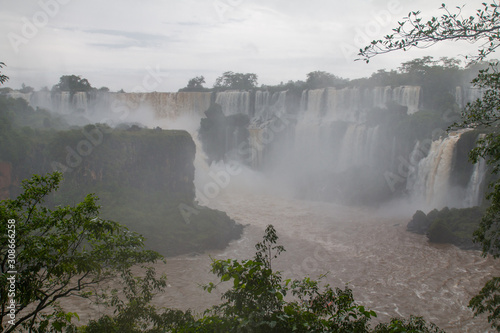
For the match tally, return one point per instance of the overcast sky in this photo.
(158, 45)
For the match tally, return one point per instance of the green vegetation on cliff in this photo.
(48, 254)
(447, 225)
(142, 176)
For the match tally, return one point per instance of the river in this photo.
(391, 271)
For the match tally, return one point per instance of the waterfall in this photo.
(234, 102)
(359, 147)
(315, 134)
(164, 105)
(80, 101)
(314, 104)
(465, 95)
(41, 99)
(431, 182)
(381, 96)
(268, 106)
(474, 191)
(63, 102)
(278, 102)
(261, 101)
(343, 104)
(408, 96)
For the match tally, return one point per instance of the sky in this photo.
(158, 45)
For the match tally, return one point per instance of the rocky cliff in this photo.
(143, 178)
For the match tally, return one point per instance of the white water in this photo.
(429, 176)
(474, 192)
(432, 180)
(233, 102)
(408, 96)
(358, 146)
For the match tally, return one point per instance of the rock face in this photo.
(221, 134)
(5, 180)
(139, 159)
(142, 177)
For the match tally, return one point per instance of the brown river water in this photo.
(391, 271)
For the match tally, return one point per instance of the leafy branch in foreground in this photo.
(413, 31)
(60, 252)
(3, 78)
(259, 300)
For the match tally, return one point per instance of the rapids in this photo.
(391, 271)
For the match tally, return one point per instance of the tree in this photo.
(320, 79)
(3, 78)
(236, 81)
(48, 254)
(482, 114)
(72, 83)
(417, 66)
(195, 84)
(135, 314)
(256, 302)
(438, 78)
(26, 89)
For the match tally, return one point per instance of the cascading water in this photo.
(268, 106)
(358, 146)
(41, 99)
(408, 96)
(430, 172)
(234, 102)
(63, 102)
(80, 102)
(475, 188)
(381, 96)
(431, 183)
(474, 191)
(326, 129)
(464, 95)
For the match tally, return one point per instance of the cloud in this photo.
(112, 42)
